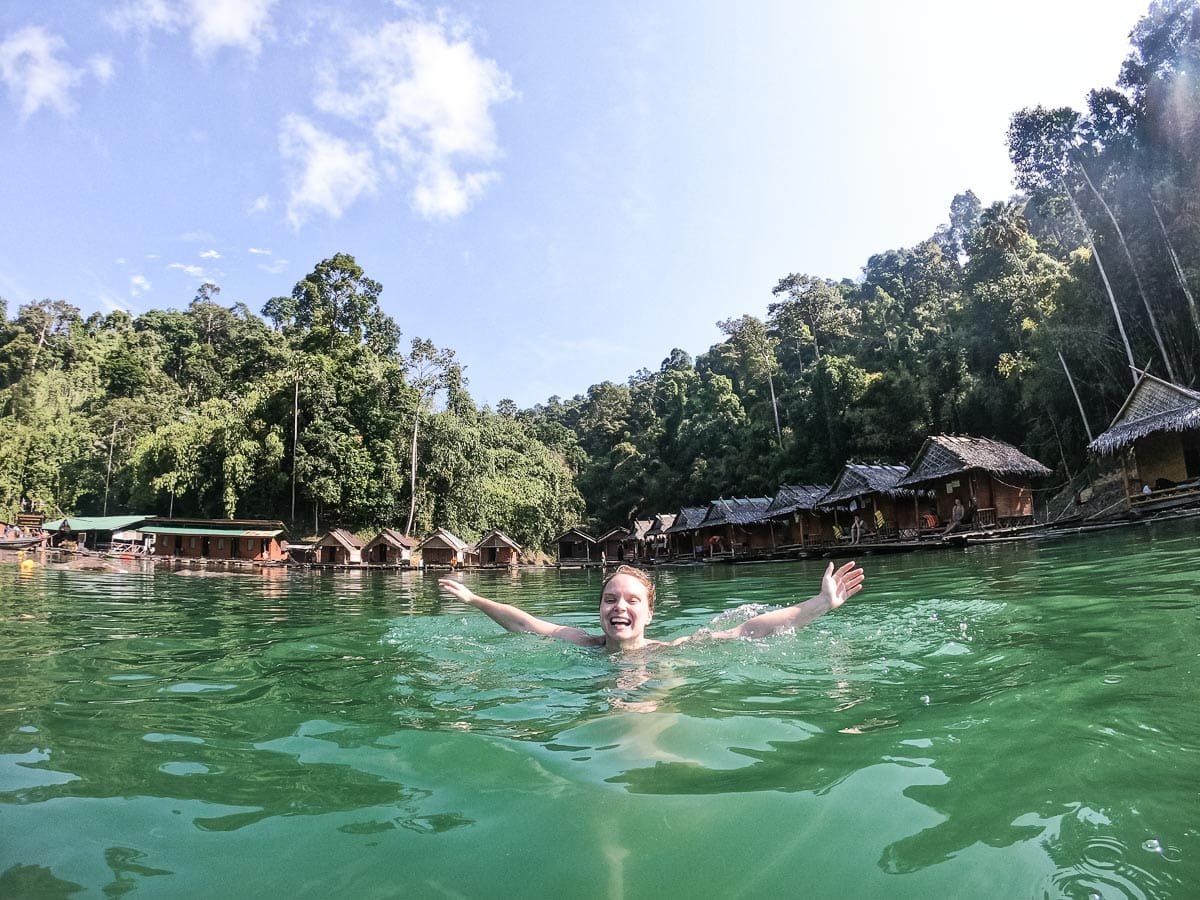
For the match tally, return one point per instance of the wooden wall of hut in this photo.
(1163, 455)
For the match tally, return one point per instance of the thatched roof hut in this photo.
(795, 506)
(738, 525)
(1157, 430)
(947, 455)
(857, 480)
(680, 533)
(1154, 406)
(995, 474)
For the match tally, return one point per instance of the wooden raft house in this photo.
(256, 540)
(338, 547)
(683, 539)
(389, 548)
(657, 544)
(998, 475)
(873, 492)
(798, 520)
(735, 527)
(577, 548)
(1157, 435)
(496, 550)
(613, 544)
(446, 550)
(97, 533)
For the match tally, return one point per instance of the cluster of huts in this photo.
(893, 504)
(262, 541)
(1156, 436)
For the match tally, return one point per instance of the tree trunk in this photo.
(1087, 233)
(1187, 292)
(1137, 278)
(1082, 414)
(775, 409)
(412, 478)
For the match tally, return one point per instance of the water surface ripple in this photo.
(1007, 721)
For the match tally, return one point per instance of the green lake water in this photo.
(1004, 721)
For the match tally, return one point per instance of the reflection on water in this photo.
(1004, 721)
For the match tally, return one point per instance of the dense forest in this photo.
(317, 410)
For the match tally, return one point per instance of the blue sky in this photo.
(561, 192)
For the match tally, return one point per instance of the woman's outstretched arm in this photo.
(836, 588)
(511, 618)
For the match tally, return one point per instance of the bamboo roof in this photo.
(687, 519)
(793, 497)
(1153, 406)
(735, 511)
(662, 522)
(640, 527)
(945, 455)
(860, 479)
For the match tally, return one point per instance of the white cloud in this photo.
(426, 95)
(33, 72)
(326, 173)
(194, 271)
(209, 254)
(139, 284)
(258, 251)
(120, 260)
(102, 67)
(275, 266)
(211, 24)
(259, 205)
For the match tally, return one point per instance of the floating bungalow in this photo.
(389, 548)
(98, 532)
(338, 547)
(683, 540)
(1157, 435)
(875, 493)
(635, 548)
(997, 474)
(613, 543)
(257, 540)
(497, 549)
(657, 542)
(444, 549)
(577, 548)
(798, 520)
(736, 527)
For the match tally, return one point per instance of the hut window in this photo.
(192, 542)
(220, 543)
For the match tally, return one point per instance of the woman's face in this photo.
(625, 609)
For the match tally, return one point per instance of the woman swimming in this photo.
(627, 607)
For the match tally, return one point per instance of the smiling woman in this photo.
(627, 607)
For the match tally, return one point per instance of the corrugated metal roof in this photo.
(447, 539)
(209, 532)
(497, 538)
(96, 523)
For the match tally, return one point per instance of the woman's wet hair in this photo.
(633, 572)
